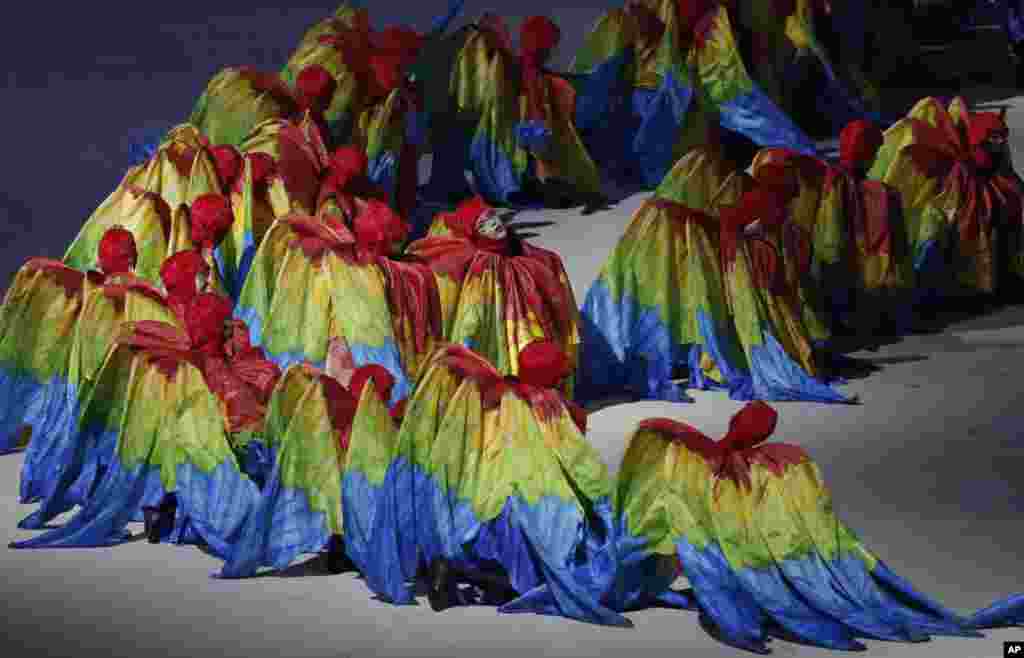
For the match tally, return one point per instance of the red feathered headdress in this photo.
(538, 36)
(211, 219)
(543, 364)
(751, 426)
(462, 221)
(378, 227)
(228, 161)
(348, 163)
(117, 253)
(859, 142)
(206, 322)
(314, 87)
(179, 274)
(779, 178)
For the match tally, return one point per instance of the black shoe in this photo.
(159, 520)
(441, 589)
(337, 560)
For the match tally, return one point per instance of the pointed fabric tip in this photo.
(750, 426)
(383, 381)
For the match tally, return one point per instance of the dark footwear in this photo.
(159, 521)
(337, 560)
(441, 589)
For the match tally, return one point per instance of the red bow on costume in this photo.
(732, 455)
(228, 161)
(377, 227)
(205, 321)
(346, 179)
(117, 251)
(542, 365)
(314, 88)
(210, 220)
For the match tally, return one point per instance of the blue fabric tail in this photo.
(371, 535)
(777, 377)
(494, 174)
(661, 116)
(281, 528)
(758, 118)
(47, 407)
(1001, 614)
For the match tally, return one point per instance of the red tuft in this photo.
(263, 166)
(750, 426)
(228, 161)
(179, 273)
(779, 177)
(348, 163)
(982, 125)
(315, 87)
(859, 142)
(211, 219)
(386, 72)
(397, 39)
(383, 381)
(462, 221)
(117, 253)
(538, 36)
(542, 363)
(206, 322)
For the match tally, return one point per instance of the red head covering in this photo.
(780, 178)
(206, 322)
(462, 221)
(859, 142)
(383, 381)
(117, 253)
(750, 426)
(211, 218)
(377, 227)
(542, 363)
(348, 163)
(314, 86)
(386, 72)
(538, 36)
(228, 161)
(982, 125)
(179, 273)
(398, 39)
(263, 166)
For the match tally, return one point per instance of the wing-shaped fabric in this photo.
(38, 318)
(146, 382)
(302, 291)
(502, 483)
(123, 298)
(145, 214)
(392, 156)
(350, 15)
(659, 302)
(236, 100)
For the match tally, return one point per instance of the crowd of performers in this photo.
(251, 348)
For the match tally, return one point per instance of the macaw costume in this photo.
(61, 466)
(689, 286)
(962, 199)
(502, 116)
(751, 526)
(493, 474)
(320, 426)
(498, 292)
(212, 391)
(38, 321)
(684, 74)
(284, 162)
(314, 278)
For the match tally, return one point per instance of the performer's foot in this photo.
(337, 560)
(441, 588)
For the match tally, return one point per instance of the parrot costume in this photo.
(320, 427)
(314, 278)
(181, 477)
(498, 292)
(685, 75)
(38, 321)
(962, 199)
(687, 288)
(493, 474)
(752, 528)
(503, 117)
(284, 162)
(61, 466)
